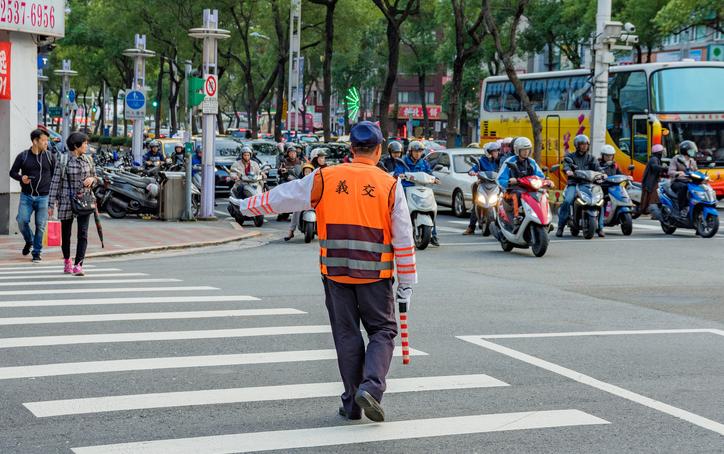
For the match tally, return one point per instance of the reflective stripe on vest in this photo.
(343, 262)
(355, 244)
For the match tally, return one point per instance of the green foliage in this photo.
(94, 138)
(118, 141)
(678, 15)
(105, 140)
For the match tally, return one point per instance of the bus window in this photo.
(493, 96)
(580, 94)
(511, 101)
(536, 90)
(557, 94)
(640, 127)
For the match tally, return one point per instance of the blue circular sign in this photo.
(135, 99)
(40, 106)
(71, 95)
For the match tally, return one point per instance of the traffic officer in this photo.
(364, 230)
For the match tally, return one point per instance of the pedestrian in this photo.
(363, 224)
(650, 182)
(74, 174)
(33, 168)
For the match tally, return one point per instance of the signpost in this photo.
(66, 73)
(137, 92)
(135, 105)
(210, 33)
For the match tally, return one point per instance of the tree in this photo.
(506, 51)
(642, 14)
(680, 15)
(329, 5)
(395, 15)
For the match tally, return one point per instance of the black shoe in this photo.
(343, 413)
(559, 232)
(26, 248)
(373, 410)
(600, 233)
(289, 237)
(37, 258)
(434, 241)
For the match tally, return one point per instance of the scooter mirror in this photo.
(545, 169)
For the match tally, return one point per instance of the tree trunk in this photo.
(454, 101)
(159, 94)
(551, 64)
(639, 53)
(327, 70)
(220, 122)
(281, 81)
(649, 49)
(173, 94)
(525, 101)
(422, 89)
(393, 57)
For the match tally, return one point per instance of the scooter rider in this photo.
(394, 153)
(583, 160)
(489, 163)
(319, 158)
(287, 168)
(245, 165)
(506, 148)
(154, 156)
(610, 168)
(178, 154)
(684, 162)
(413, 162)
(522, 166)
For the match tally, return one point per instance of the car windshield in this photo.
(688, 90)
(227, 148)
(268, 149)
(463, 162)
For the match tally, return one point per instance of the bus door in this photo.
(640, 140)
(552, 150)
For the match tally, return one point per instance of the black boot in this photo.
(559, 232)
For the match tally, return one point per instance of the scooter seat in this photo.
(132, 180)
(669, 192)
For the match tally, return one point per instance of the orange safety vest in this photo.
(354, 222)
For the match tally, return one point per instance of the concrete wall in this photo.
(18, 117)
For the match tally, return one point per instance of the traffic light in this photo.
(196, 91)
(94, 109)
(154, 103)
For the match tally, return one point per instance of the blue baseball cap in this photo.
(365, 134)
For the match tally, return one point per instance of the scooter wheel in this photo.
(626, 224)
(258, 221)
(423, 234)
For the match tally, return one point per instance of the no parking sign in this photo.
(210, 105)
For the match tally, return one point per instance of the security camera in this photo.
(630, 28)
(629, 39)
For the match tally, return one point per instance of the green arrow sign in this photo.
(352, 102)
(55, 111)
(196, 93)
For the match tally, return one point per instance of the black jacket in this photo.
(582, 161)
(654, 169)
(38, 167)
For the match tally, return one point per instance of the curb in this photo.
(172, 247)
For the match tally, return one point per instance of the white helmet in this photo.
(521, 143)
(608, 150)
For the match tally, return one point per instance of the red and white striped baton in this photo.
(404, 334)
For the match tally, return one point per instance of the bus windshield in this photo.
(688, 90)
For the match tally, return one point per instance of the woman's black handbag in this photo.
(83, 202)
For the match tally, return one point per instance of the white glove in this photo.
(404, 296)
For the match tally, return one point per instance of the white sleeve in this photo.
(286, 198)
(402, 241)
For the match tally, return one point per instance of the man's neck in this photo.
(36, 149)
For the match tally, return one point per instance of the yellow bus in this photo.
(652, 103)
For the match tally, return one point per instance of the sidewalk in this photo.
(134, 235)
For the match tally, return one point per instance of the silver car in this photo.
(451, 166)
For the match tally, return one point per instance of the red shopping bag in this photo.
(52, 233)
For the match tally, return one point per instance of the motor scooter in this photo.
(245, 187)
(308, 224)
(588, 201)
(702, 214)
(124, 192)
(422, 205)
(487, 200)
(618, 206)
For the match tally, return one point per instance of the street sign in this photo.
(40, 106)
(55, 111)
(71, 96)
(135, 105)
(39, 17)
(5, 70)
(211, 92)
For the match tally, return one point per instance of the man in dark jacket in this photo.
(582, 160)
(33, 168)
(650, 182)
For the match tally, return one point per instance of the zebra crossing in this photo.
(107, 324)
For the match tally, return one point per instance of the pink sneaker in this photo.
(68, 266)
(78, 270)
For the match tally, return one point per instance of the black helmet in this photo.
(580, 139)
(688, 148)
(394, 147)
(154, 143)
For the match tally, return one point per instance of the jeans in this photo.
(28, 205)
(66, 227)
(568, 195)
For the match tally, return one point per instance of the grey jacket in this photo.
(77, 169)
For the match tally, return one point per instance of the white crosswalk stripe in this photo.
(344, 435)
(22, 282)
(33, 268)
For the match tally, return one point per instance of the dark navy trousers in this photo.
(374, 305)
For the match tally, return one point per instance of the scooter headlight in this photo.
(531, 213)
(482, 200)
(493, 199)
(584, 199)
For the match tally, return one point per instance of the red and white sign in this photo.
(4, 70)
(434, 111)
(211, 85)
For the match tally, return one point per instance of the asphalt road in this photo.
(631, 360)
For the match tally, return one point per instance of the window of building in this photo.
(430, 97)
(580, 98)
(701, 33)
(403, 97)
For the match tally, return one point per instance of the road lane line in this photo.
(146, 316)
(73, 291)
(353, 434)
(35, 267)
(141, 300)
(695, 419)
(68, 276)
(38, 341)
(86, 281)
(174, 362)
(250, 394)
(30, 271)
(594, 333)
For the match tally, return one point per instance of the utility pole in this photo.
(608, 33)
(210, 33)
(139, 55)
(188, 145)
(66, 73)
(295, 33)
